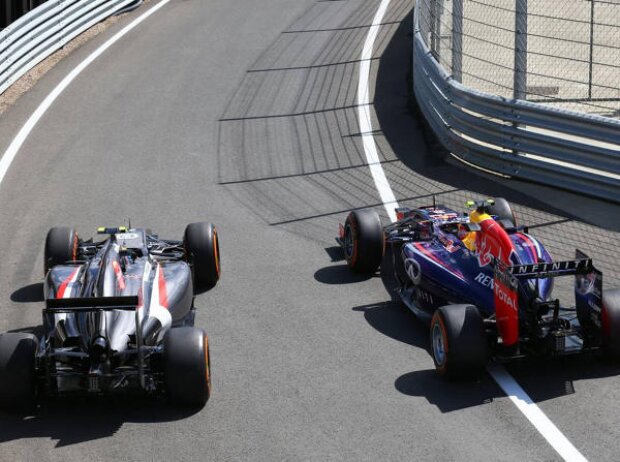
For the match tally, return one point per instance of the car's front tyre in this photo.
(203, 253)
(61, 245)
(363, 241)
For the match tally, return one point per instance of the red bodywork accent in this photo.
(163, 292)
(506, 312)
(65, 283)
(120, 280)
(494, 242)
(341, 231)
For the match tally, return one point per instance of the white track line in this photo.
(507, 383)
(21, 137)
(363, 102)
(542, 423)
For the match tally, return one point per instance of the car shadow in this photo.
(448, 396)
(548, 379)
(395, 321)
(340, 274)
(31, 293)
(542, 379)
(86, 419)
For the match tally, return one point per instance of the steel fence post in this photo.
(520, 67)
(436, 11)
(591, 63)
(457, 40)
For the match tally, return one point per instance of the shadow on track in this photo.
(448, 396)
(32, 293)
(549, 379)
(339, 274)
(86, 419)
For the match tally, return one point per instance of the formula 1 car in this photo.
(484, 284)
(119, 317)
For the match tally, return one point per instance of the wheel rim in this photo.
(348, 242)
(439, 350)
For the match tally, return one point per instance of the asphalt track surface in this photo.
(243, 113)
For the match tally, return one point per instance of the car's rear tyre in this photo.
(611, 323)
(502, 210)
(61, 245)
(17, 371)
(363, 241)
(187, 366)
(203, 253)
(458, 341)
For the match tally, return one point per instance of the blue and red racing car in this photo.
(484, 284)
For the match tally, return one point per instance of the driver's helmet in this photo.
(424, 230)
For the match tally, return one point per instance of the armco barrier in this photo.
(47, 28)
(532, 141)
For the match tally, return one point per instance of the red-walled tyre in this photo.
(61, 245)
(363, 241)
(611, 323)
(187, 366)
(458, 342)
(203, 253)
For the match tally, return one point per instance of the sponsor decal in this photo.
(506, 304)
(127, 236)
(485, 280)
(488, 250)
(505, 297)
(412, 267)
(558, 266)
(449, 244)
(585, 283)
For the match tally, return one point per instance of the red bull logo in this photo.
(492, 242)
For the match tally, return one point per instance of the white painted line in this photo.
(363, 102)
(542, 423)
(512, 389)
(18, 141)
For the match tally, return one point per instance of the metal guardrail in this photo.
(545, 144)
(44, 30)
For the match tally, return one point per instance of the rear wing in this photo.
(588, 291)
(70, 305)
(581, 265)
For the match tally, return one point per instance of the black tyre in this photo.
(61, 245)
(17, 371)
(502, 210)
(203, 253)
(611, 322)
(458, 341)
(186, 362)
(363, 241)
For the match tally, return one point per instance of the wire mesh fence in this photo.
(560, 52)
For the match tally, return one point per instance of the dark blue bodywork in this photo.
(434, 267)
